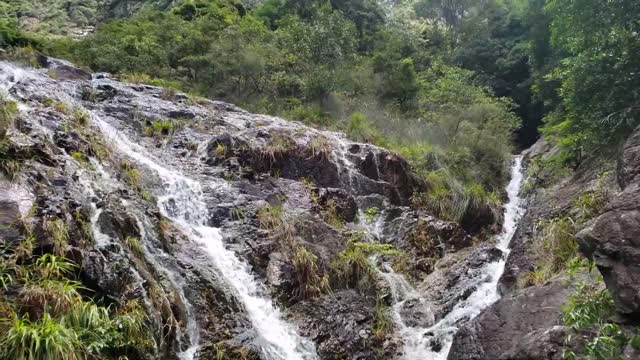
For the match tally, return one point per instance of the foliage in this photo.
(591, 307)
(46, 316)
(555, 248)
(59, 233)
(270, 216)
(331, 215)
(311, 281)
(8, 113)
(159, 128)
(383, 324)
(597, 75)
(81, 158)
(359, 129)
(352, 266)
(340, 65)
(133, 243)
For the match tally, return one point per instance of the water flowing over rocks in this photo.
(191, 179)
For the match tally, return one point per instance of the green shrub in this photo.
(308, 114)
(45, 338)
(445, 197)
(352, 266)
(590, 305)
(270, 217)
(8, 113)
(383, 323)
(311, 282)
(134, 244)
(359, 129)
(82, 159)
(160, 128)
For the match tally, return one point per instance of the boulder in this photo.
(613, 241)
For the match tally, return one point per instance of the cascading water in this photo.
(434, 342)
(486, 292)
(182, 202)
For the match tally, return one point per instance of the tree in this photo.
(600, 82)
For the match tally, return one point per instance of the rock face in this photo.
(272, 187)
(522, 325)
(613, 241)
(545, 202)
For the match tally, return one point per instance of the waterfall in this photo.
(434, 342)
(182, 202)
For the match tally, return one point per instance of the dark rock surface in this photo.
(613, 241)
(522, 325)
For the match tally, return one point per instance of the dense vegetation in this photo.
(45, 311)
(354, 66)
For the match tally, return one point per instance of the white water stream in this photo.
(434, 343)
(182, 202)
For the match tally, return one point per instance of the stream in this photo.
(434, 342)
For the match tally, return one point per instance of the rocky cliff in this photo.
(242, 235)
(595, 206)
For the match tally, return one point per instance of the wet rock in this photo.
(542, 344)
(417, 313)
(523, 325)
(549, 200)
(66, 72)
(10, 217)
(456, 276)
(344, 203)
(281, 277)
(340, 325)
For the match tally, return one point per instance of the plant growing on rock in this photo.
(331, 215)
(8, 113)
(277, 147)
(9, 164)
(134, 244)
(590, 307)
(352, 267)
(371, 214)
(311, 281)
(319, 147)
(61, 107)
(554, 247)
(270, 216)
(130, 174)
(59, 233)
(88, 93)
(445, 198)
(80, 117)
(82, 159)
(168, 94)
(383, 324)
(591, 203)
(159, 128)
